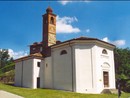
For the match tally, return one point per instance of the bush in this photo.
(7, 68)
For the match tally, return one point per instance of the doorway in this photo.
(106, 78)
(38, 82)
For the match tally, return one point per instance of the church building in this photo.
(83, 65)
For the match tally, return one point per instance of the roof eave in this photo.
(92, 41)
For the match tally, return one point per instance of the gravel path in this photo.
(4, 94)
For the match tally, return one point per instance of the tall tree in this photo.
(4, 57)
(122, 64)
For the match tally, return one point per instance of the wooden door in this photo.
(106, 79)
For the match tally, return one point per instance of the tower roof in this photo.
(49, 10)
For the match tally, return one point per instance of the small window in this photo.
(104, 51)
(46, 65)
(34, 48)
(63, 52)
(52, 20)
(38, 64)
(40, 49)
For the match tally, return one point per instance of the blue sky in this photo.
(21, 22)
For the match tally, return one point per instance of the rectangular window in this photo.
(38, 64)
(34, 48)
(40, 49)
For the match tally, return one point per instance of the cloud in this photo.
(116, 42)
(64, 2)
(87, 30)
(18, 54)
(64, 25)
(106, 39)
(119, 42)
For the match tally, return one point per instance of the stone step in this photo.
(110, 91)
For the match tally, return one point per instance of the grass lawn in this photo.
(47, 93)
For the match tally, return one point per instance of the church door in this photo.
(106, 79)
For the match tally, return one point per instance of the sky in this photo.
(21, 22)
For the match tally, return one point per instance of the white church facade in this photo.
(83, 65)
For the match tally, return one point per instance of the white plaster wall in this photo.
(112, 71)
(36, 72)
(94, 69)
(89, 72)
(84, 69)
(18, 73)
(48, 72)
(98, 63)
(100, 60)
(26, 73)
(42, 74)
(62, 69)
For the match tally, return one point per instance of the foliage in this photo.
(122, 63)
(4, 57)
(7, 68)
(7, 77)
(47, 93)
(7, 73)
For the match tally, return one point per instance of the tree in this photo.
(4, 57)
(122, 65)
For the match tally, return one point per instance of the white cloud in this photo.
(64, 25)
(119, 42)
(64, 2)
(106, 39)
(87, 30)
(18, 54)
(116, 42)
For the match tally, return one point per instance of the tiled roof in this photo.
(36, 55)
(36, 43)
(84, 38)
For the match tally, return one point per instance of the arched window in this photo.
(63, 52)
(52, 20)
(104, 51)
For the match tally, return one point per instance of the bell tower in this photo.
(49, 28)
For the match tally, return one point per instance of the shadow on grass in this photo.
(10, 84)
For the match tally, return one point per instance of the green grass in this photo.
(47, 93)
